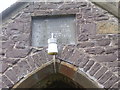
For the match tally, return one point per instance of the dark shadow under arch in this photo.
(56, 80)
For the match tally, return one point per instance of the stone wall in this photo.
(96, 51)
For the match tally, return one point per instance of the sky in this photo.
(5, 4)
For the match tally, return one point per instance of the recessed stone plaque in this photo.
(63, 28)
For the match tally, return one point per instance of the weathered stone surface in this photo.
(97, 50)
(116, 86)
(79, 60)
(7, 44)
(114, 64)
(19, 72)
(49, 6)
(65, 12)
(101, 17)
(116, 70)
(89, 28)
(84, 62)
(3, 66)
(83, 37)
(105, 77)
(113, 36)
(31, 62)
(42, 57)
(27, 27)
(111, 81)
(94, 69)
(16, 35)
(85, 44)
(4, 37)
(7, 81)
(107, 27)
(15, 28)
(21, 38)
(10, 61)
(74, 57)
(42, 12)
(36, 5)
(67, 52)
(88, 65)
(70, 5)
(97, 36)
(2, 85)
(24, 66)
(17, 53)
(103, 42)
(111, 50)
(22, 44)
(11, 75)
(100, 72)
(67, 69)
(106, 58)
(37, 60)
(87, 13)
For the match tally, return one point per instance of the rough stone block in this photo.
(84, 62)
(11, 75)
(114, 64)
(65, 12)
(31, 62)
(85, 44)
(7, 44)
(3, 66)
(97, 36)
(15, 27)
(94, 69)
(111, 81)
(96, 50)
(10, 61)
(42, 55)
(106, 58)
(107, 27)
(42, 12)
(110, 50)
(67, 52)
(2, 85)
(101, 17)
(17, 53)
(37, 60)
(100, 72)
(22, 44)
(69, 6)
(103, 42)
(88, 65)
(24, 65)
(7, 81)
(67, 70)
(89, 28)
(83, 37)
(48, 6)
(74, 58)
(19, 72)
(116, 86)
(105, 77)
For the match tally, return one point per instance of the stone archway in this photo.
(73, 77)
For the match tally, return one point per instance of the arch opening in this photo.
(67, 75)
(56, 80)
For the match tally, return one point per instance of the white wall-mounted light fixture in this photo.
(52, 45)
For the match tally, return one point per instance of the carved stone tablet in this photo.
(63, 28)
